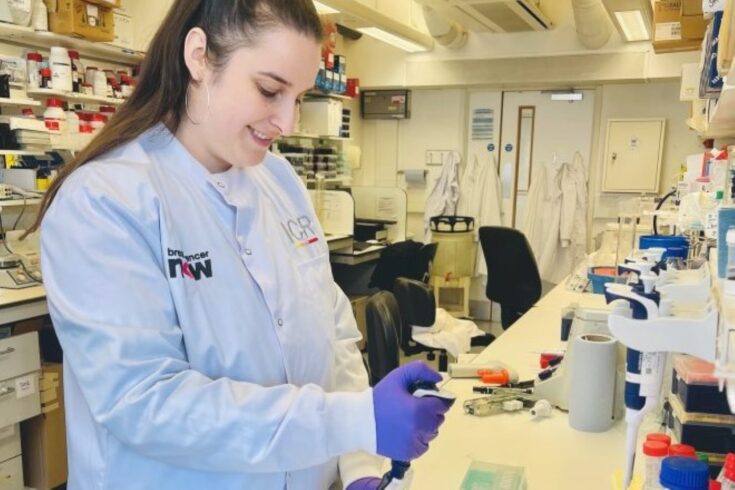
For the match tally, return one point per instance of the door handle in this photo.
(614, 157)
(7, 351)
(8, 390)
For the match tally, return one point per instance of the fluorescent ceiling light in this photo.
(568, 96)
(632, 25)
(632, 18)
(324, 9)
(392, 39)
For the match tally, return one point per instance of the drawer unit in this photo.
(19, 355)
(9, 442)
(19, 399)
(11, 474)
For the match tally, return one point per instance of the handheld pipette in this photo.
(644, 370)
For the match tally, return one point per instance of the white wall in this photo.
(438, 122)
(656, 99)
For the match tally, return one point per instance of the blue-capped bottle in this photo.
(679, 473)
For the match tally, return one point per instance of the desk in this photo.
(348, 256)
(555, 456)
(336, 242)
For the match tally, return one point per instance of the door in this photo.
(537, 130)
(633, 155)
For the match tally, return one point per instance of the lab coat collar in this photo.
(233, 184)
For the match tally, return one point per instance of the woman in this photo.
(206, 344)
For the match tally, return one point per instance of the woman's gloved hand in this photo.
(405, 424)
(369, 483)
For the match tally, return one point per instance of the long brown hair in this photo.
(164, 79)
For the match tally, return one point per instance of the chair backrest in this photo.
(401, 259)
(417, 306)
(383, 322)
(428, 252)
(513, 278)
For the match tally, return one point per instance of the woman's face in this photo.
(253, 100)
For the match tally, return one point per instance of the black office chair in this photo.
(402, 259)
(418, 308)
(383, 321)
(426, 258)
(513, 279)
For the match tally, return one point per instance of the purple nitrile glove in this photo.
(369, 483)
(405, 424)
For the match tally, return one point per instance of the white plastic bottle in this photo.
(34, 61)
(55, 119)
(72, 130)
(100, 83)
(60, 69)
(655, 452)
(39, 17)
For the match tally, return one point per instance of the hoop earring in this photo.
(186, 104)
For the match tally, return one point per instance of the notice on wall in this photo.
(386, 208)
(483, 124)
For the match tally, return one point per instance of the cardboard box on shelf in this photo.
(81, 18)
(668, 27)
(44, 437)
(693, 26)
(124, 29)
(691, 7)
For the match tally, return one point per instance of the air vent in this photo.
(493, 15)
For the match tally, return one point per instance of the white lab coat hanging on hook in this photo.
(555, 223)
(443, 197)
(480, 198)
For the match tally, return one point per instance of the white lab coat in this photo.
(443, 197)
(556, 217)
(205, 342)
(481, 198)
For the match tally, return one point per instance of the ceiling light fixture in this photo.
(322, 9)
(371, 22)
(632, 18)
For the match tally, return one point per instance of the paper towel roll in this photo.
(417, 177)
(592, 383)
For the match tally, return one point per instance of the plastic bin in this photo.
(696, 386)
(599, 276)
(675, 245)
(455, 256)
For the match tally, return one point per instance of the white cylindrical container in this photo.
(39, 17)
(592, 383)
(34, 61)
(54, 116)
(72, 130)
(655, 452)
(60, 64)
(100, 83)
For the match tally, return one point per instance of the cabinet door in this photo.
(633, 155)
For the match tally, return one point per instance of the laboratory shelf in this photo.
(74, 97)
(23, 153)
(26, 36)
(721, 122)
(31, 201)
(330, 95)
(316, 137)
(17, 102)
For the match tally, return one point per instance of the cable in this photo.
(22, 210)
(658, 206)
(5, 244)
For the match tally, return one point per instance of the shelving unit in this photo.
(721, 122)
(74, 97)
(25, 36)
(13, 102)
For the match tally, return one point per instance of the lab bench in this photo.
(554, 455)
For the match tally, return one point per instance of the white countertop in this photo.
(555, 456)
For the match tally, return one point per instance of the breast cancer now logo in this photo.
(195, 266)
